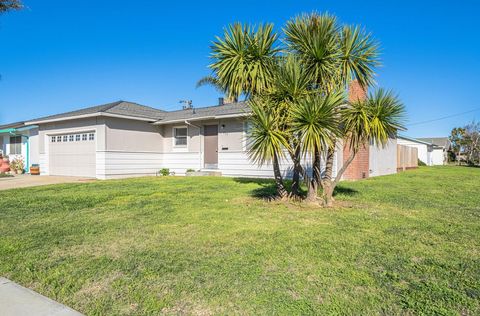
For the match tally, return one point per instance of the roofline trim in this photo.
(414, 140)
(75, 117)
(214, 117)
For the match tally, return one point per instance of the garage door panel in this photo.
(73, 158)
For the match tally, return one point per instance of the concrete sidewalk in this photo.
(15, 300)
(26, 180)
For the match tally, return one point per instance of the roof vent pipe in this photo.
(221, 101)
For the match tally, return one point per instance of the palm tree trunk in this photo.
(329, 188)
(297, 169)
(281, 191)
(316, 177)
(326, 182)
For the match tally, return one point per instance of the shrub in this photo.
(164, 171)
(190, 170)
(421, 163)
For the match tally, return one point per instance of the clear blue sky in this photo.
(58, 56)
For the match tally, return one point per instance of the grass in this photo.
(402, 244)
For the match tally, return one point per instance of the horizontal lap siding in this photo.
(43, 162)
(114, 164)
(181, 161)
(237, 164)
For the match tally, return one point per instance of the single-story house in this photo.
(430, 153)
(126, 139)
(441, 147)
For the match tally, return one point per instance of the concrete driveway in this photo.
(25, 180)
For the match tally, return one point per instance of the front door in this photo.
(211, 146)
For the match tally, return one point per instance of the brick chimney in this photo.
(359, 168)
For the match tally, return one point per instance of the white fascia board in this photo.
(218, 117)
(76, 117)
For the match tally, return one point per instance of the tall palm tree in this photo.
(334, 56)
(243, 60)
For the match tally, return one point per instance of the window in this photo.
(15, 145)
(59, 139)
(70, 138)
(91, 136)
(77, 137)
(84, 136)
(180, 135)
(65, 138)
(54, 138)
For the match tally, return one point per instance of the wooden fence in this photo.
(407, 158)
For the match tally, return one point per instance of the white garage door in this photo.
(72, 155)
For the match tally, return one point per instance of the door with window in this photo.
(210, 140)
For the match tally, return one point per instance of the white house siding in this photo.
(422, 149)
(383, 160)
(33, 150)
(123, 164)
(437, 157)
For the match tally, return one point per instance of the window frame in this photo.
(16, 146)
(174, 136)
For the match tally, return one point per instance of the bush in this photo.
(190, 170)
(421, 163)
(164, 171)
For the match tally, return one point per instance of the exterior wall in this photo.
(383, 160)
(359, 167)
(34, 152)
(422, 149)
(96, 124)
(132, 148)
(437, 157)
(31, 136)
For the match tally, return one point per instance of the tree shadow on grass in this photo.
(339, 190)
(266, 187)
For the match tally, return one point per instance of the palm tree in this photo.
(315, 121)
(334, 56)
(214, 82)
(243, 60)
(371, 121)
(267, 139)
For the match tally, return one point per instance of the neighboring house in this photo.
(125, 139)
(441, 147)
(19, 141)
(430, 152)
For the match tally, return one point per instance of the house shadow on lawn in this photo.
(267, 189)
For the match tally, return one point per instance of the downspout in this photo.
(199, 139)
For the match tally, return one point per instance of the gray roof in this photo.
(205, 112)
(12, 125)
(119, 107)
(437, 141)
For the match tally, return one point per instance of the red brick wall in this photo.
(359, 168)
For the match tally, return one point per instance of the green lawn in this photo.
(402, 244)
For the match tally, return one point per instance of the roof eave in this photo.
(201, 118)
(76, 117)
